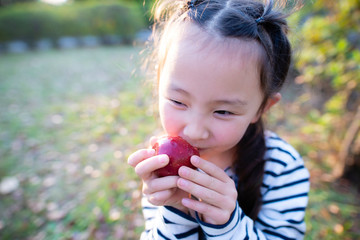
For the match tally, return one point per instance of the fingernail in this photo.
(152, 198)
(185, 201)
(184, 171)
(183, 182)
(195, 160)
(163, 159)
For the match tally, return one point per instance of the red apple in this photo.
(179, 152)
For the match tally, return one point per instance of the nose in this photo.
(196, 129)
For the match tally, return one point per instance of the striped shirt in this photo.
(284, 199)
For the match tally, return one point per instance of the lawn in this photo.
(68, 121)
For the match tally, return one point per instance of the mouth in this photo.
(200, 149)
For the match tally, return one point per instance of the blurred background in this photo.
(74, 105)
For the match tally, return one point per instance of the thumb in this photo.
(153, 140)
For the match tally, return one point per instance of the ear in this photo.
(270, 102)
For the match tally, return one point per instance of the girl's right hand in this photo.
(159, 190)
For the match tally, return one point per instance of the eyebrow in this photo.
(235, 101)
(231, 102)
(178, 89)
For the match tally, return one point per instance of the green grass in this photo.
(68, 121)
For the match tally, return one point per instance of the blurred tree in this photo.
(329, 62)
(145, 5)
(32, 22)
(4, 3)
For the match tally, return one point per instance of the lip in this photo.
(200, 149)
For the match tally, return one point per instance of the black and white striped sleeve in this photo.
(284, 194)
(284, 191)
(163, 222)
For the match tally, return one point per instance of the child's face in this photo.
(209, 96)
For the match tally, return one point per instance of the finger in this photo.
(199, 206)
(207, 195)
(210, 168)
(140, 155)
(213, 214)
(160, 198)
(153, 140)
(160, 184)
(202, 179)
(145, 168)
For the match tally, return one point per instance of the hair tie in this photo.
(259, 20)
(191, 4)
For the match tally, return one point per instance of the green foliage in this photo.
(325, 214)
(329, 63)
(36, 21)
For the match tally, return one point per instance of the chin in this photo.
(204, 153)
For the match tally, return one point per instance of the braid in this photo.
(249, 167)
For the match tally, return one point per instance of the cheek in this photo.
(230, 135)
(169, 120)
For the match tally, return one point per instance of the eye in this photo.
(177, 103)
(224, 113)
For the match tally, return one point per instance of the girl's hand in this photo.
(215, 190)
(159, 191)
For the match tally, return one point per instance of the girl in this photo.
(221, 65)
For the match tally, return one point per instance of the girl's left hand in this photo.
(215, 190)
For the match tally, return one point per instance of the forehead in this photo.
(211, 67)
(187, 39)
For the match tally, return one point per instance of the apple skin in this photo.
(179, 152)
